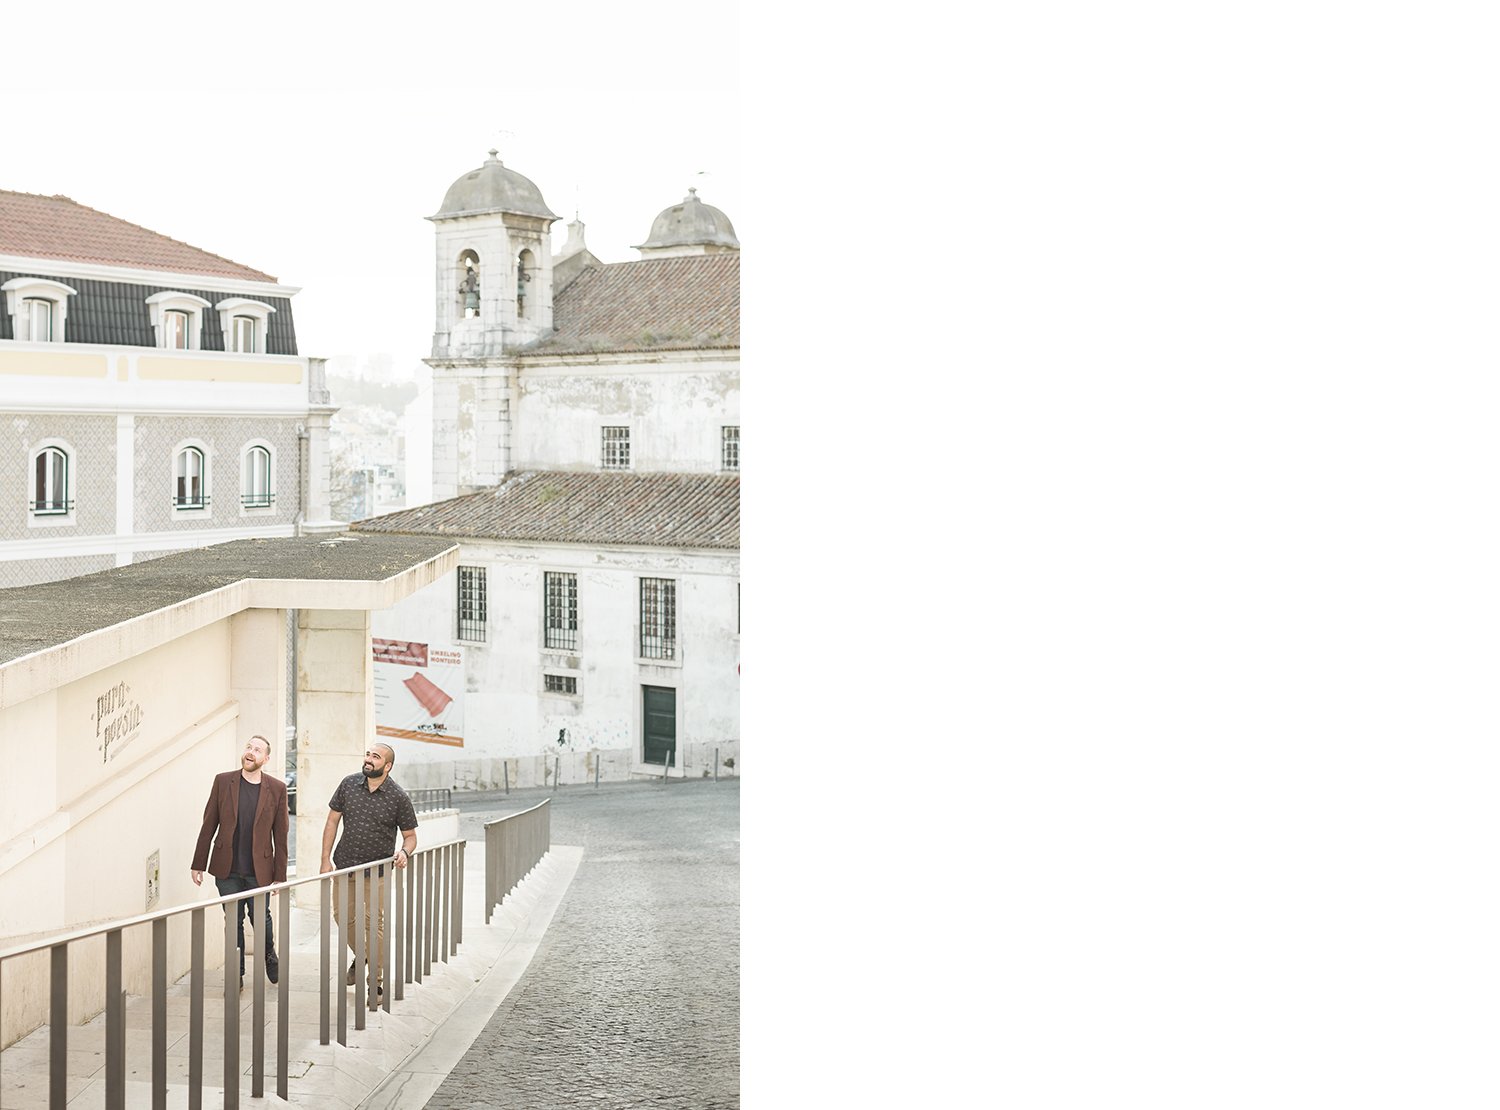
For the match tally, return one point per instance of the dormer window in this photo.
(242, 334)
(175, 331)
(38, 308)
(39, 319)
(245, 324)
(177, 319)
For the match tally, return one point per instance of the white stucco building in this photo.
(151, 397)
(585, 453)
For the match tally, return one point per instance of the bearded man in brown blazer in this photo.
(248, 811)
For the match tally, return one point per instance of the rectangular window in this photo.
(730, 449)
(615, 448)
(39, 320)
(658, 618)
(175, 331)
(243, 336)
(560, 603)
(559, 684)
(471, 604)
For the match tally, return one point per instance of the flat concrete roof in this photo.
(340, 571)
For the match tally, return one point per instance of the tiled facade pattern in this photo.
(92, 480)
(29, 572)
(225, 439)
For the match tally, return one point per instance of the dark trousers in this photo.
(233, 885)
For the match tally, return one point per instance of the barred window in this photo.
(471, 604)
(559, 684)
(658, 618)
(560, 602)
(615, 448)
(730, 455)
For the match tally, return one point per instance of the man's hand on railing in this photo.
(399, 859)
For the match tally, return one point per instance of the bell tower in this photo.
(493, 285)
(493, 264)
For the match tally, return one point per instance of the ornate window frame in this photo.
(174, 300)
(45, 518)
(258, 311)
(254, 503)
(204, 506)
(22, 289)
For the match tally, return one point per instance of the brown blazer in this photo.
(222, 813)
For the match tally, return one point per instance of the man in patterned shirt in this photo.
(373, 809)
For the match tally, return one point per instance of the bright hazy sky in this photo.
(310, 140)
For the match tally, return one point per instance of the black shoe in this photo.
(273, 966)
(349, 979)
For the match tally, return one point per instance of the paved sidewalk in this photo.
(633, 997)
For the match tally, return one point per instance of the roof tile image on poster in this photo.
(419, 691)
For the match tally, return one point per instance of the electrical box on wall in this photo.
(153, 879)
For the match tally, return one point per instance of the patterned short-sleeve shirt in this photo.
(371, 820)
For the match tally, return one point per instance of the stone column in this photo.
(257, 679)
(335, 721)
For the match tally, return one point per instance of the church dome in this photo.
(691, 224)
(493, 188)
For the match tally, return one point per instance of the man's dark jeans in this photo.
(233, 885)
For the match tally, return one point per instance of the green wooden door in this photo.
(660, 727)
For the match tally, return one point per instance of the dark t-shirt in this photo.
(244, 829)
(371, 820)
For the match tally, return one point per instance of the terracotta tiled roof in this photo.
(59, 227)
(657, 304)
(658, 510)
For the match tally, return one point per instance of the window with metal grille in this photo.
(658, 618)
(730, 455)
(560, 600)
(559, 684)
(615, 448)
(192, 491)
(471, 603)
(50, 488)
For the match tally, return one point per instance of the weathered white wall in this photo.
(77, 823)
(507, 716)
(673, 404)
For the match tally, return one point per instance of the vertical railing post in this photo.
(283, 994)
(195, 1016)
(716, 764)
(114, 1023)
(361, 953)
(341, 899)
(396, 926)
(505, 767)
(258, 910)
(57, 1091)
(325, 924)
(231, 1007)
(159, 1014)
(458, 917)
(386, 895)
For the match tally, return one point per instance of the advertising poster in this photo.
(419, 691)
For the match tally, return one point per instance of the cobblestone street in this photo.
(632, 999)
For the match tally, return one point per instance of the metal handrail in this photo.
(513, 845)
(423, 913)
(431, 797)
